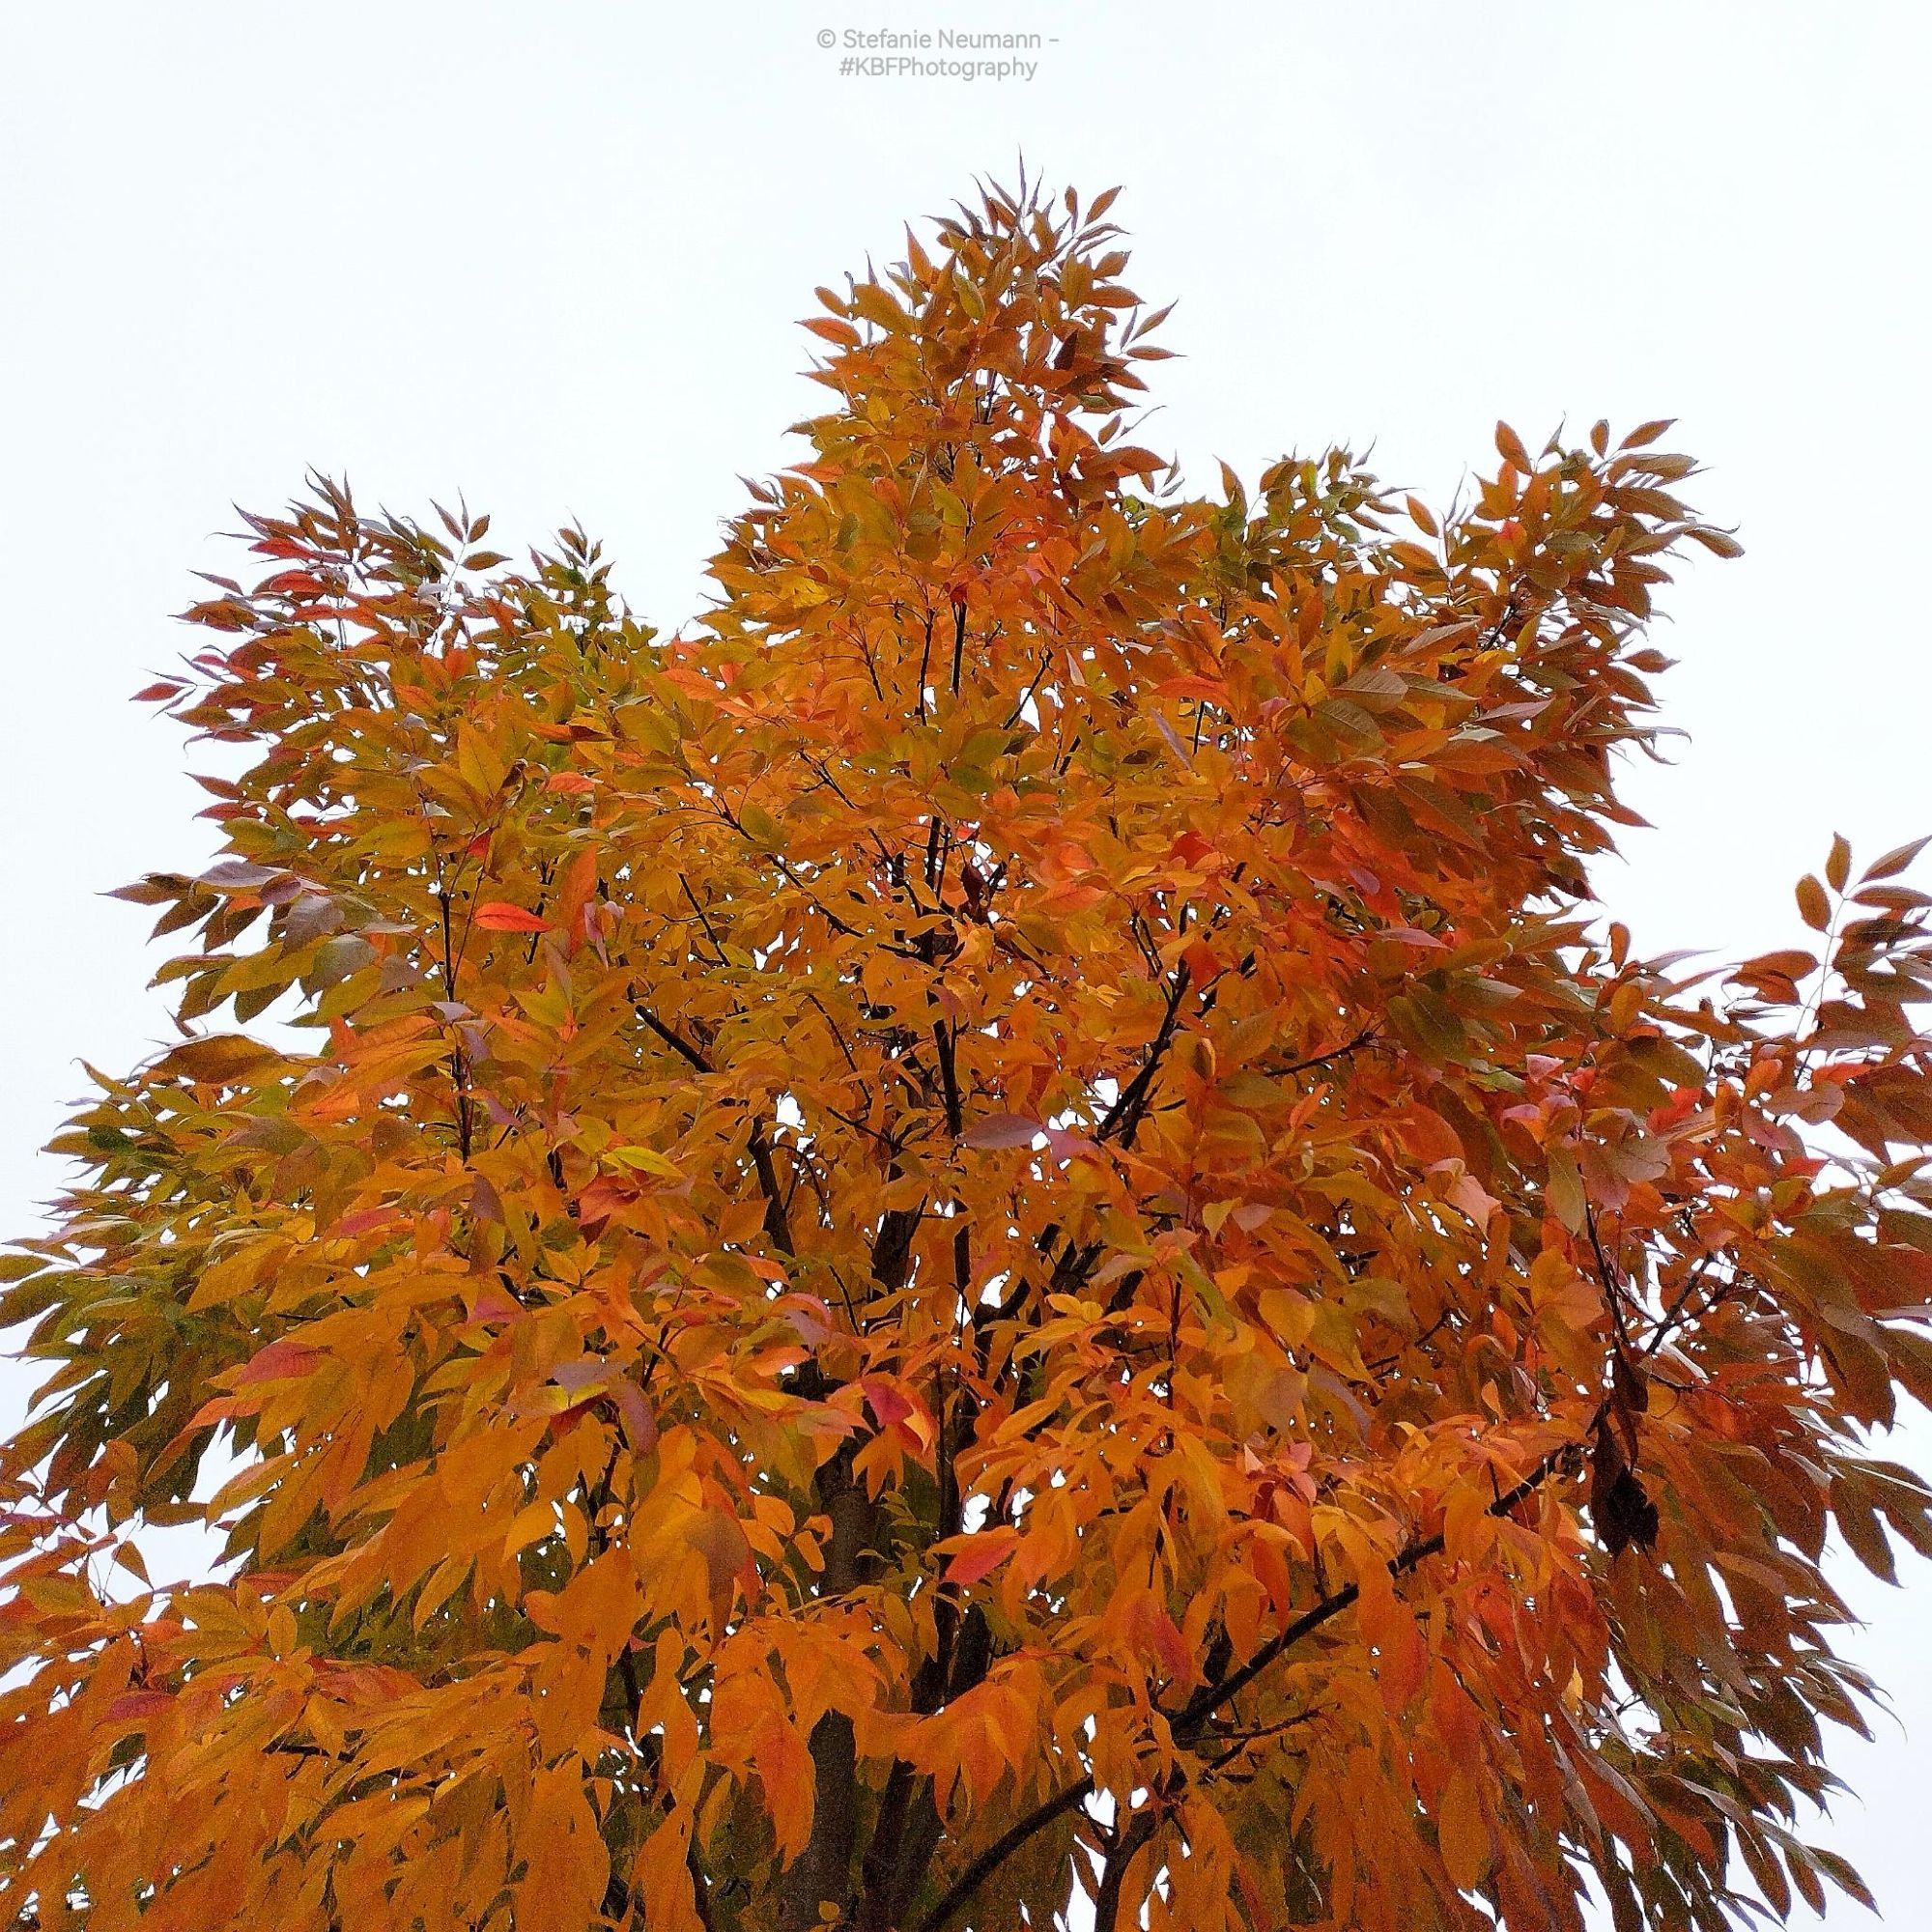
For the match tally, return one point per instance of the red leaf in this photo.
(970, 1558)
(137, 1706)
(888, 1404)
(279, 1361)
(1896, 860)
(1201, 962)
(500, 915)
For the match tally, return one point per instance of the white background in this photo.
(549, 256)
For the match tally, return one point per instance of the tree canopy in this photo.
(998, 1222)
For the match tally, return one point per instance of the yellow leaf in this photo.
(661, 1877)
(1461, 1832)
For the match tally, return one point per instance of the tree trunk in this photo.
(822, 1873)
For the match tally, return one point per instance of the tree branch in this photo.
(946, 1039)
(1114, 1868)
(1215, 1695)
(778, 1223)
(958, 641)
(1002, 1848)
(1355, 1045)
(1130, 1104)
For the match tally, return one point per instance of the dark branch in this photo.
(1002, 1849)
(1355, 1045)
(673, 1040)
(1114, 1868)
(777, 1225)
(1130, 1104)
(1188, 1723)
(946, 1039)
(1217, 1696)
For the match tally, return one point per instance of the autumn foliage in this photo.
(998, 1224)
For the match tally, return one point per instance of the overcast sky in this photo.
(551, 257)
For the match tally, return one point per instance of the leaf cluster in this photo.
(995, 1222)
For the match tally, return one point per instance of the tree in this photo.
(997, 1223)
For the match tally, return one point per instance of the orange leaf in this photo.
(500, 915)
(970, 1558)
(1462, 1833)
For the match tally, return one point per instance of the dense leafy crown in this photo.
(991, 1226)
